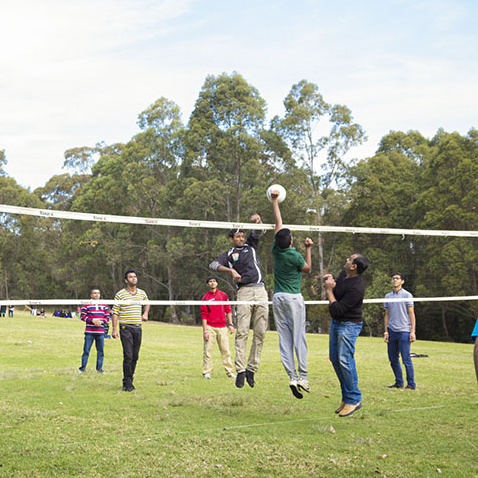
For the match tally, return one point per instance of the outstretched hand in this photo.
(255, 218)
(308, 242)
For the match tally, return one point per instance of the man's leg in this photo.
(347, 337)
(223, 344)
(244, 313)
(260, 316)
(300, 343)
(284, 327)
(393, 348)
(137, 335)
(208, 344)
(404, 345)
(126, 336)
(334, 353)
(86, 351)
(475, 357)
(100, 351)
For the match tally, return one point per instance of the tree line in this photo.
(217, 166)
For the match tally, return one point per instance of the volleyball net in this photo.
(80, 216)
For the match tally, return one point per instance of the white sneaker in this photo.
(232, 376)
(295, 389)
(304, 385)
(206, 375)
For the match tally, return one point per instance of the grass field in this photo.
(56, 422)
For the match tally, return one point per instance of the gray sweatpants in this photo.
(289, 317)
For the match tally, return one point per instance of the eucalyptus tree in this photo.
(320, 135)
(449, 201)
(223, 137)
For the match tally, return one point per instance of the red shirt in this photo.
(215, 315)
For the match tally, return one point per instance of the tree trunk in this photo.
(443, 321)
(174, 316)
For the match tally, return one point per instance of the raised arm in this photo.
(276, 211)
(307, 267)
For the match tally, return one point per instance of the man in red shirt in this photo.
(216, 322)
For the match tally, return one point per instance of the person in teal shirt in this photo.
(288, 304)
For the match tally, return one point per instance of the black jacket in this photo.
(243, 260)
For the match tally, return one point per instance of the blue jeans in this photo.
(99, 340)
(399, 343)
(342, 338)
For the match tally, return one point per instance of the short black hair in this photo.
(283, 238)
(211, 278)
(235, 231)
(129, 271)
(397, 274)
(95, 288)
(361, 262)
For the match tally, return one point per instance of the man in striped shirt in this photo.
(129, 316)
(96, 316)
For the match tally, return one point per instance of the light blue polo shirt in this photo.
(474, 334)
(399, 318)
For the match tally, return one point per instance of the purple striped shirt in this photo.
(95, 311)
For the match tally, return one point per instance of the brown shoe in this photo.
(349, 409)
(342, 405)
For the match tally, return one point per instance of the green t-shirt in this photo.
(287, 269)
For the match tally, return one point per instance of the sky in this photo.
(74, 73)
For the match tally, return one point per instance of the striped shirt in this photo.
(95, 311)
(129, 314)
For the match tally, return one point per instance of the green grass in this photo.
(56, 422)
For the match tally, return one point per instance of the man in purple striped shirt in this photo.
(96, 316)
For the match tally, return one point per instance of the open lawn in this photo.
(56, 422)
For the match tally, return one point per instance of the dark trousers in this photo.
(399, 343)
(131, 341)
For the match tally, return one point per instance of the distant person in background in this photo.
(95, 316)
(129, 316)
(11, 309)
(217, 322)
(3, 310)
(399, 332)
(42, 312)
(474, 335)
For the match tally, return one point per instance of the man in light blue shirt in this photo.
(400, 332)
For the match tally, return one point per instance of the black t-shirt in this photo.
(349, 294)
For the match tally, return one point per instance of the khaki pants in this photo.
(259, 315)
(218, 334)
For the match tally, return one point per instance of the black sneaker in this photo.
(128, 388)
(240, 379)
(410, 388)
(250, 378)
(395, 385)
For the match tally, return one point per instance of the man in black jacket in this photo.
(345, 305)
(242, 262)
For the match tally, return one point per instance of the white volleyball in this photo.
(276, 187)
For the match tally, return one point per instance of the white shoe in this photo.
(206, 375)
(295, 389)
(232, 376)
(304, 385)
